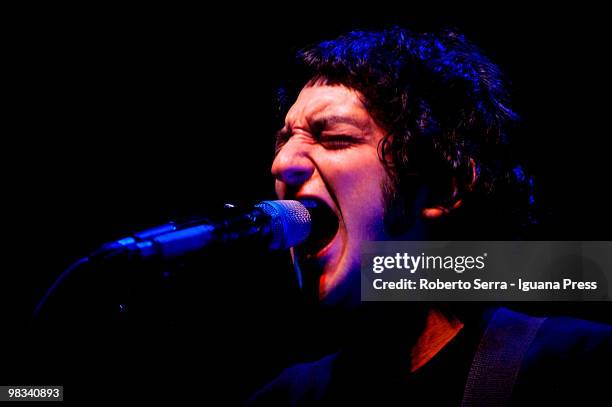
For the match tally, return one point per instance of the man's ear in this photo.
(439, 211)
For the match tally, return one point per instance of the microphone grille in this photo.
(291, 222)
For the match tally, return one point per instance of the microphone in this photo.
(278, 224)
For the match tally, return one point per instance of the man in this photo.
(403, 136)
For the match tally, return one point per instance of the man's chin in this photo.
(329, 283)
(339, 289)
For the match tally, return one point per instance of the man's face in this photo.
(329, 152)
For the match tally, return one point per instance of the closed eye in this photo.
(338, 141)
(282, 136)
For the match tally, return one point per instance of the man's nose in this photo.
(292, 165)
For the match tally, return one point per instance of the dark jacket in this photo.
(567, 362)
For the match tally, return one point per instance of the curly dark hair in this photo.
(446, 109)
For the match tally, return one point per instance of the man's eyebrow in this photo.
(325, 121)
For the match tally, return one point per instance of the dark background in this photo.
(125, 118)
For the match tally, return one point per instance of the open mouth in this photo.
(324, 226)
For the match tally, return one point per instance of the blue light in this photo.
(519, 173)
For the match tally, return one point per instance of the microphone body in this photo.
(279, 224)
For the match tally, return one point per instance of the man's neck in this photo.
(439, 330)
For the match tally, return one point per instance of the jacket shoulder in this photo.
(563, 365)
